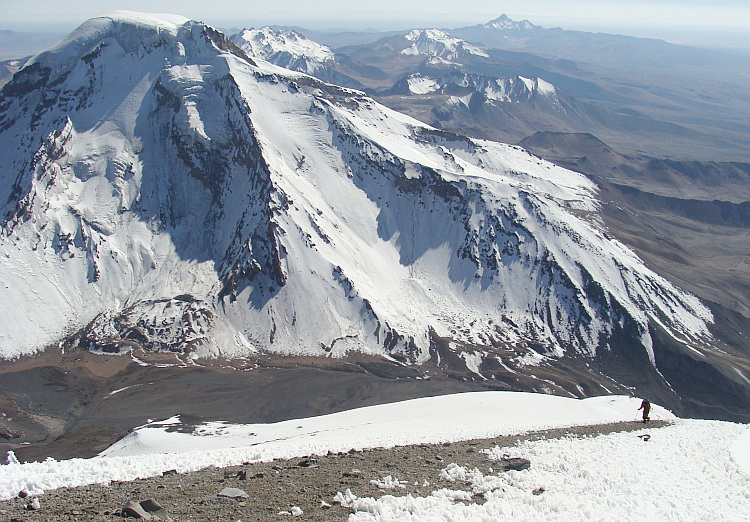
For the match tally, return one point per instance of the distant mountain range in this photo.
(19, 44)
(641, 96)
(7, 69)
(643, 55)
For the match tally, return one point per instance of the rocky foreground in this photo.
(306, 487)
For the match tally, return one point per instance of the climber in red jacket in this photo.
(646, 407)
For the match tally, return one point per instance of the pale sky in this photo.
(674, 20)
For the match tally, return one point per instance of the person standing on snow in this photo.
(646, 407)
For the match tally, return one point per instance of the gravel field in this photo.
(277, 490)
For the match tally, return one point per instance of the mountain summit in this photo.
(163, 190)
(435, 43)
(291, 50)
(285, 48)
(504, 23)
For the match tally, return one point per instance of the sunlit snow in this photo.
(689, 470)
(284, 47)
(439, 44)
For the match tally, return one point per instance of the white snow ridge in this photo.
(165, 190)
(688, 470)
(284, 48)
(439, 44)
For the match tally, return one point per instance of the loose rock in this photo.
(233, 493)
(146, 510)
(514, 463)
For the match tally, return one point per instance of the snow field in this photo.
(682, 472)
(690, 470)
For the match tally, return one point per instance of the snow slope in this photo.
(689, 470)
(430, 420)
(162, 189)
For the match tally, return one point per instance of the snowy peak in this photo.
(503, 23)
(129, 30)
(131, 33)
(285, 48)
(119, 153)
(438, 44)
(291, 50)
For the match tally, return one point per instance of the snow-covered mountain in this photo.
(439, 46)
(291, 50)
(503, 23)
(506, 90)
(162, 189)
(285, 48)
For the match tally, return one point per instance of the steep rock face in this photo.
(165, 190)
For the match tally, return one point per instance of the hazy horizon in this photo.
(725, 23)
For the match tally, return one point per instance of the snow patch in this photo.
(740, 450)
(678, 472)
(419, 84)
(545, 88)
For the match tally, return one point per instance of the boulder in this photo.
(514, 463)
